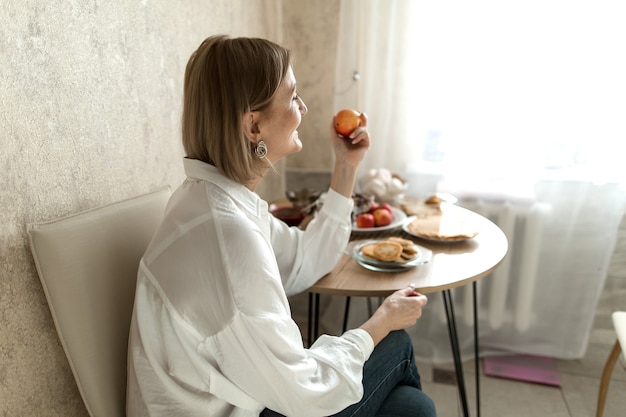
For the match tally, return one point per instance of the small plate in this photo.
(398, 218)
(423, 256)
(383, 268)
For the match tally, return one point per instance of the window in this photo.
(490, 89)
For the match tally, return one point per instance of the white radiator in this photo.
(506, 295)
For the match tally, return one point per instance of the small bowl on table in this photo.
(293, 216)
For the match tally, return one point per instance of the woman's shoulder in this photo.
(199, 196)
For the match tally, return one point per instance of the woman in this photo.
(211, 333)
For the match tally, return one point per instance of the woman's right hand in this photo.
(349, 153)
(400, 310)
(350, 150)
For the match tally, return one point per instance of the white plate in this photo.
(398, 218)
(385, 268)
(423, 256)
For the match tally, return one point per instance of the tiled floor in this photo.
(580, 379)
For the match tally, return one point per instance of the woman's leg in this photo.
(391, 383)
(405, 400)
(392, 365)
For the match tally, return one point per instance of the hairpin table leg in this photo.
(456, 354)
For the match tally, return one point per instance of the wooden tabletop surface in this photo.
(452, 264)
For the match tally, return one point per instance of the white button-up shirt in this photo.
(212, 333)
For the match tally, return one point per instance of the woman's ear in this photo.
(250, 125)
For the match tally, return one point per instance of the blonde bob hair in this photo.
(224, 79)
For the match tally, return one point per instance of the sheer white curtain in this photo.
(501, 100)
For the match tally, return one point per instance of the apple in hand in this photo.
(347, 120)
(365, 220)
(382, 217)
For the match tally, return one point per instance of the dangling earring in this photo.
(260, 150)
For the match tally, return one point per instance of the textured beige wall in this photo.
(90, 97)
(311, 29)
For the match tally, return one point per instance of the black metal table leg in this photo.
(317, 318)
(476, 359)
(310, 322)
(313, 324)
(314, 318)
(345, 315)
(456, 353)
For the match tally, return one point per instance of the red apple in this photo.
(382, 217)
(365, 220)
(347, 120)
(386, 206)
(373, 207)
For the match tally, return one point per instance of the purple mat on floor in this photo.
(537, 369)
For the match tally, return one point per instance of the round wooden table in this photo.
(453, 264)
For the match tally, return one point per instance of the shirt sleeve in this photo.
(263, 355)
(304, 257)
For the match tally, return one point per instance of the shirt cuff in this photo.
(362, 339)
(338, 204)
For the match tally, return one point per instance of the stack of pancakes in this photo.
(394, 249)
(433, 221)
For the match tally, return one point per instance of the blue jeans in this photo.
(391, 384)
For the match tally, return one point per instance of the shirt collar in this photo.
(200, 170)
